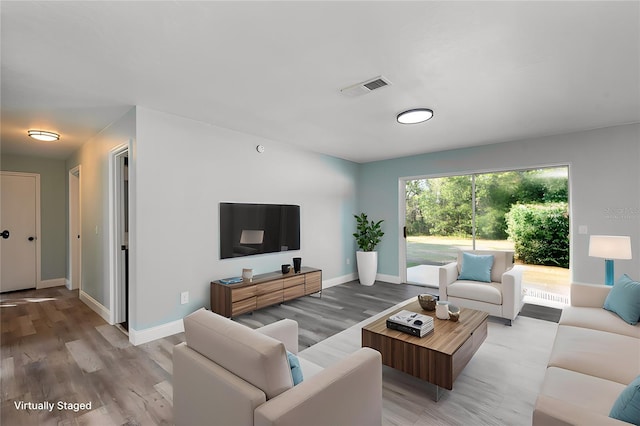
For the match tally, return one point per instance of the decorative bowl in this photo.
(427, 302)
(454, 313)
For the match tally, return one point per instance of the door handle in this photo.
(5, 234)
(31, 238)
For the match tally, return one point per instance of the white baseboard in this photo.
(67, 283)
(138, 337)
(393, 279)
(339, 280)
(96, 306)
(56, 282)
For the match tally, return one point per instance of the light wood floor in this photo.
(55, 349)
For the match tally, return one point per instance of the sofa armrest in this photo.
(348, 392)
(589, 295)
(554, 412)
(447, 274)
(512, 297)
(285, 331)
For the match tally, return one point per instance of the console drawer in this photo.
(313, 282)
(293, 281)
(269, 299)
(242, 306)
(293, 292)
(242, 293)
(269, 287)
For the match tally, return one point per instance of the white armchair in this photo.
(228, 374)
(502, 297)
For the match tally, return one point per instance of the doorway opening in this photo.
(75, 230)
(493, 211)
(119, 235)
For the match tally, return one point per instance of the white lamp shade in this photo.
(251, 236)
(610, 246)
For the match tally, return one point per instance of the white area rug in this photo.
(499, 386)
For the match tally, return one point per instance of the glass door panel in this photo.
(438, 224)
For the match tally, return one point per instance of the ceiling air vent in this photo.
(365, 87)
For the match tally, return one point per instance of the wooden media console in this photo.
(267, 289)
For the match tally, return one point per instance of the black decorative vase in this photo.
(297, 262)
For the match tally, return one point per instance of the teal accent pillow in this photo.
(476, 267)
(624, 299)
(627, 406)
(296, 371)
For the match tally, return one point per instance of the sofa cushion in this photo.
(252, 356)
(598, 319)
(482, 292)
(296, 370)
(476, 267)
(593, 393)
(502, 262)
(597, 353)
(624, 299)
(309, 369)
(627, 406)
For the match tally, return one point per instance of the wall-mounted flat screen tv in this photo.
(251, 229)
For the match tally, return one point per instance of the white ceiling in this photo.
(491, 71)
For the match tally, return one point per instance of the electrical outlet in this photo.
(348, 261)
(184, 297)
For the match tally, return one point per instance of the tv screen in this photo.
(250, 229)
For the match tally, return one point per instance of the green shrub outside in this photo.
(540, 233)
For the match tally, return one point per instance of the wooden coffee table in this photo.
(438, 357)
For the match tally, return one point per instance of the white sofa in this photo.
(595, 356)
(502, 297)
(228, 374)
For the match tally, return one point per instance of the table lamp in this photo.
(609, 247)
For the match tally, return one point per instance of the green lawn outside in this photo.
(422, 250)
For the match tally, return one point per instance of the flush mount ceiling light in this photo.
(43, 135)
(414, 116)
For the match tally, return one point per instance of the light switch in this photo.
(582, 229)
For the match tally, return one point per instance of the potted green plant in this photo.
(368, 236)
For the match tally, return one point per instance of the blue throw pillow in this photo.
(624, 299)
(627, 406)
(476, 267)
(296, 371)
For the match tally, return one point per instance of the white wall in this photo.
(604, 181)
(94, 194)
(182, 169)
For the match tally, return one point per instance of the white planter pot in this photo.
(367, 266)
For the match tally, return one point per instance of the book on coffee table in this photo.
(411, 322)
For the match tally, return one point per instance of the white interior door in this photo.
(19, 214)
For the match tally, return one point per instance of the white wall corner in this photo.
(96, 306)
(56, 282)
(138, 337)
